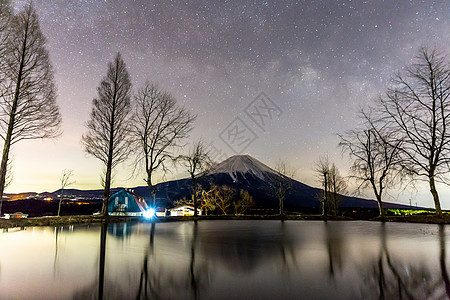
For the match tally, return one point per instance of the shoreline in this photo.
(89, 219)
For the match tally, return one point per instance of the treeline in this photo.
(147, 125)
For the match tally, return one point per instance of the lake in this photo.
(227, 260)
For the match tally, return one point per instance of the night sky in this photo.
(317, 62)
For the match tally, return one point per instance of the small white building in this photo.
(16, 215)
(185, 210)
(160, 212)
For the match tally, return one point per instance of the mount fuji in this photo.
(247, 173)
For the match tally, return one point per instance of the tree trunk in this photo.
(325, 194)
(12, 115)
(380, 206)
(194, 195)
(60, 200)
(434, 192)
(3, 168)
(107, 189)
(281, 197)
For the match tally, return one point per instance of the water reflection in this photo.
(442, 260)
(227, 259)
(335, 247)
(390, 277)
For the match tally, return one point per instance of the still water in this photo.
(226, 260)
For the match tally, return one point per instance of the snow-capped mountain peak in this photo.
(243, 164)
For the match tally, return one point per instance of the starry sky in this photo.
(316, 63)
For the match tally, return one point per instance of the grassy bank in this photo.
(59, 221)
(74, 220)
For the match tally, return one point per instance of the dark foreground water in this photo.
(227, 260)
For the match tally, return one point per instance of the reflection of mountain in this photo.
(246, 246)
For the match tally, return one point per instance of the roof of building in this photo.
(140, 202)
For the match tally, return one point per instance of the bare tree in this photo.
(336, 187)
(208, 201)
(417, 107)
(28, 108)
(333, 185)
(375, 155)
(65, 182)
(159, 125)
(322, 167)
(244, 202)
(223, 197)
(283, 183)
(197, 162)
(109, 123)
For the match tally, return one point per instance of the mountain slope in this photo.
(246, 173)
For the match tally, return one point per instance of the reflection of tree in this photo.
(287, 250)
(388, 278)
(57, 229)
(148, 282)
(101, 265)
(154, 282)
(98, 286)
(192, 273)
(442, 260)
(197, 272)
(335, 244)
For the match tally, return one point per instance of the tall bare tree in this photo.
(375, 155)
(322, 168)
(417, 107)
(283, 183)
(159, 126)
(334, 185)
(28, 108)
(197, 162)
(65, 182)
(110, 122)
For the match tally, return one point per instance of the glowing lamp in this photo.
(149, 213)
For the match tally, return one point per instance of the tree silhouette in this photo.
(197, 162)
(375, 154)
(65, 182)
(416, 108)
(159, 125)
(110, 123)
(28, 108)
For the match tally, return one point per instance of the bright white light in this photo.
(150, 213)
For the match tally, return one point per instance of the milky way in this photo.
(317, 61)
